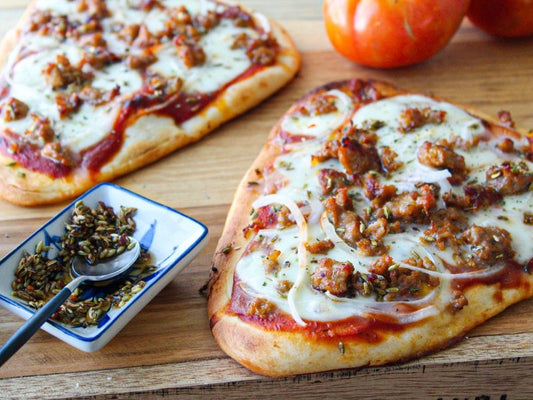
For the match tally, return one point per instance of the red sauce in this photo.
(101, 152)
(29, 157)
(369, 330)
(186, 106)
(288, 138)
(4, 88)
(512, 276)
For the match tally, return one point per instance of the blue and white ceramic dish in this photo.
(173, 240)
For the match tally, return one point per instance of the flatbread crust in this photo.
(149, 138)
(284, 352)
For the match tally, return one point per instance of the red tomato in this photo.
(391, 33)
(508, 18)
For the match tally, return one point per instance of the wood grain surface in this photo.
(167, 350)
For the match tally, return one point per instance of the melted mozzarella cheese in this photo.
(296, 168)
(512, 212)
(61, 7)
(194, 6)
(87, 126)
(222, 65)
(119, 74)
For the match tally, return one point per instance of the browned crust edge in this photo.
(28, 188)
(284, 353)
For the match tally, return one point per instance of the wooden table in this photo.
(167, 350)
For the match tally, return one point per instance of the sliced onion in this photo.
(330, 232)
(14, 57)
(203, 6)
(468, 134)
(441, 269)
(343, 97)
(335, 124)
(423, 174)
(363, 308)
(462, 275)
(302, 240)
(273, 180)
(381, 305)
(315, 209)
(263, 21)
(159, 106)
(284, 201)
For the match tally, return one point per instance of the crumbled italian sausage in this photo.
(13, 109)
(488, 245)
(414, 118)
(445, 224)
(357, 157)
(331, 180)
(332, 276)
(510, 178)
(442, 157)
(320, 247)
(61, 73)
(476, 197)
(413, 206)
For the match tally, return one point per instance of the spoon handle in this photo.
(32, 325)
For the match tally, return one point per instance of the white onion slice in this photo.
(382, 305)
(316, 211)
(343, 97)
(15, 57)
(203, 6)
(263, 21)
(441, 269)
(159, 106)
(364, 307)
(462, 275)
(284, 201)
(423, 174)
(471, 129)
(302, 251)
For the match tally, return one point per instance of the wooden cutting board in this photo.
(167, 349)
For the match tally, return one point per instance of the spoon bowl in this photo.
(99, 272)
(108, 269)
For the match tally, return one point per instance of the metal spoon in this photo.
(97, 273)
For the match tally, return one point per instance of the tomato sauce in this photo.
(372, 329)
(29, 157)
(288, 138)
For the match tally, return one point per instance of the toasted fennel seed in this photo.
(39, 278)
(393, 267)
(366, 289)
